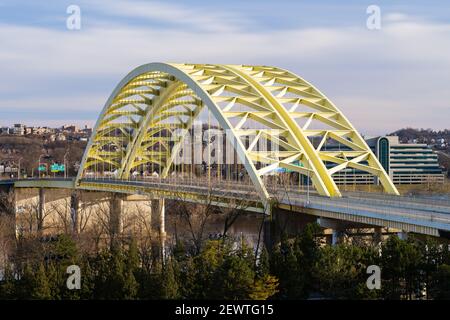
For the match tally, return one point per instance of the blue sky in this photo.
(383, 79)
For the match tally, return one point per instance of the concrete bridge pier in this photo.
(41, 210)
(336, 236)
(402, 235)
(282, 222)
(115, 216)
(268, 230)
(378, 235)
(337, 229)
(160, 210)
(74, 211)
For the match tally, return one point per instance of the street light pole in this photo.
(64, 160)
(18, 173)
(39, 164)
(13, 163)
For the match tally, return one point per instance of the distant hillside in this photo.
(29, 150)
(428, 136)
(438, 140)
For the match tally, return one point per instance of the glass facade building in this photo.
(406, 163)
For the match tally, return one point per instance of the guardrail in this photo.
(216, 190)
(352, 207)
(425, 211)
(437, 200)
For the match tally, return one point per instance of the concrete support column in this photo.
(268, 227)
(336, 237)
(162, 225)
(402, 235)
(115, 216)
(149, 207)
(377, 235)
(41, 210)
(162, 216)
(74, 207)
(337, 229)
(272, 230)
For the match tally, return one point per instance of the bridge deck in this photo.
(423, 215)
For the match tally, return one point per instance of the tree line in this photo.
(296, 268)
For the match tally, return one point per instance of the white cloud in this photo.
(53, 123)
(398, 71)
(55, 103)
(177, 15)
(395, 17)
(106, 51)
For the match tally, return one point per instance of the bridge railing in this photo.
(369, 208)
(212, 187)
(405, 203)
(418, 208)
(441, 200)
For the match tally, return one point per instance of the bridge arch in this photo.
(165, 96)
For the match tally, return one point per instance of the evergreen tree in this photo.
(116, 277)
(206, 264)
(285, 265)
(56, 283)
(400, 263)
(342, 272)
(170, 288)
(150, 283)
(188, 278)
(264, 287)
(109, 282)
(441, 283)
(34, 284)
(8, 284)
(87, 281)
(233, 279)
(130, 285)
(42, 290)
(433, 256)
(263, 267)
(65, 249)
(307, 253)
(132, 258)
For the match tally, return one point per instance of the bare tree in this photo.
(61, 213)
(231, 211)
(7, 225)
(195, 216)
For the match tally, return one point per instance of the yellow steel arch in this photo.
(159, 97)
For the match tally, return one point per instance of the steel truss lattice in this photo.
(159, 97)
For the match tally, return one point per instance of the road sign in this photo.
(296, 163)
(57, 167)
(42, 167)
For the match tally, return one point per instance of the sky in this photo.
(383, 79)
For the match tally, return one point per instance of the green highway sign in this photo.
(296, 163)
(57, 167)
(42, 167)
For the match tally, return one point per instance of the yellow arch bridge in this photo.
(137, 123)
(285, 136)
